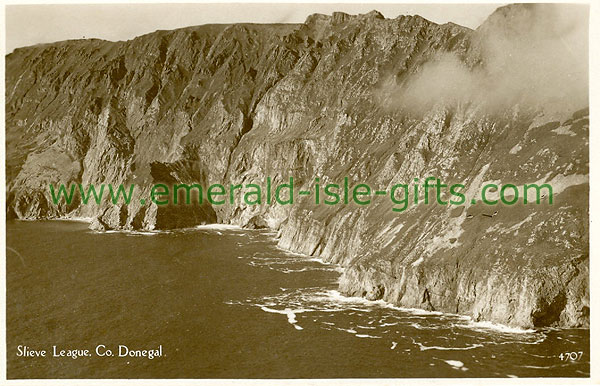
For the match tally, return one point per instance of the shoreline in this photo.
(218, 227)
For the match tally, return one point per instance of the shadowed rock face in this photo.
(236, 103)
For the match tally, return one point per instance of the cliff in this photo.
(382, 101)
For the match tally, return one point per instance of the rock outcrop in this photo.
(325, 99)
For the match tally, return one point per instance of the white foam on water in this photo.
(271, 310)
(454, 363)
(272, 260)
(319, 260)
(130, 232)
(367, 336)
(540, 367)
(305, 257)
(365, 327)
(287, 252)
(267, 261)
(317, 299)
(331, 266)
(305, 269)
(417, 311)
(219, 227)
(287, 311)
(422, 347)
(144, 233)
(420, 327)
(541, 356)
(291, 316)
(498, 327)
(87, 220)
(394, 344)
(341, 299)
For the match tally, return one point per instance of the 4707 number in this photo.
(570, 356)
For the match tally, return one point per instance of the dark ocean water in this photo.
(227, 303)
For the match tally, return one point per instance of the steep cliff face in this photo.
(325, 99)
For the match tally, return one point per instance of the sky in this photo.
(33, 24)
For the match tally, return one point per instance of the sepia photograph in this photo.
(297, 191)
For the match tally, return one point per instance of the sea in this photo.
(223, 302)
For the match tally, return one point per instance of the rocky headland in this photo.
(382, 101)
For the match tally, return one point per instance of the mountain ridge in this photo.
(381, 101)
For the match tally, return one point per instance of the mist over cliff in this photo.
(526, 54)
(382, 101)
